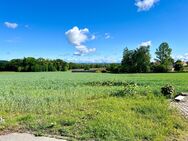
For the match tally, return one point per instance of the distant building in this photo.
(184, 63)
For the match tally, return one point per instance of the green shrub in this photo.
(168, 91)
(104, 71)
(110, 83)
(159, 68)
(86, 68)
(130, 89)
(178, 66)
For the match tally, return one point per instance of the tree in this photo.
(86, 67)
(114, 68)
(163, 56)
(158, 68)
(65, 66)
(143, 59)
(3, 65)
(128, 60)
(178, 65)
(14, 64)
(136, 61)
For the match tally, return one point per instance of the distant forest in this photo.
(133, 61)
(31, 64)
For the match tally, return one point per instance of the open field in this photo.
(84, 106)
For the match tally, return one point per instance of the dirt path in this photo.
(25, 137)
(182, 106)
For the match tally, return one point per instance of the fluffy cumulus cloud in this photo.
(11, 25)
(78, 37)
(147, 43)
(145, 5)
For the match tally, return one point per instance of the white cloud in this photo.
(182, 57)
(11, 25)
(93, 37)
(145, 5)
(147, 43)
(78, 37)
(107, 36)
(96, 59)
(82, 49)
(27, 26)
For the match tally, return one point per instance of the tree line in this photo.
(134, 61)
(30, 64)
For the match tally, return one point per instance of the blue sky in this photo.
(90, 30)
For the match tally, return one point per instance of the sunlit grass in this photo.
(63, 104)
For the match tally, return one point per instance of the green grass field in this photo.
(67, 104)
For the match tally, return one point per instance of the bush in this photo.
(158, 68)
(104, 71)
(130, 89)
(110, 83)
(101, 70)
(179, 66)
(114, 68)
(168, 91)
(86, 68)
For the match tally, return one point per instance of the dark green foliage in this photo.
(128, 61)
(136, 61)
(159, 68)
(168, 91)
(31, 64)
(114, 68)
(178, 66)
(110, 83)
(143, 59)
(104, 71)
(68, 122)
(3, 65)
(163, 56)
(163, 53)
(86, 68)
(84, 65)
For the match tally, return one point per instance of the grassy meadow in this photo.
(84, 106)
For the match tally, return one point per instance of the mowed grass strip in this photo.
(61, 103)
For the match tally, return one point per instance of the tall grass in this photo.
(68, 104)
